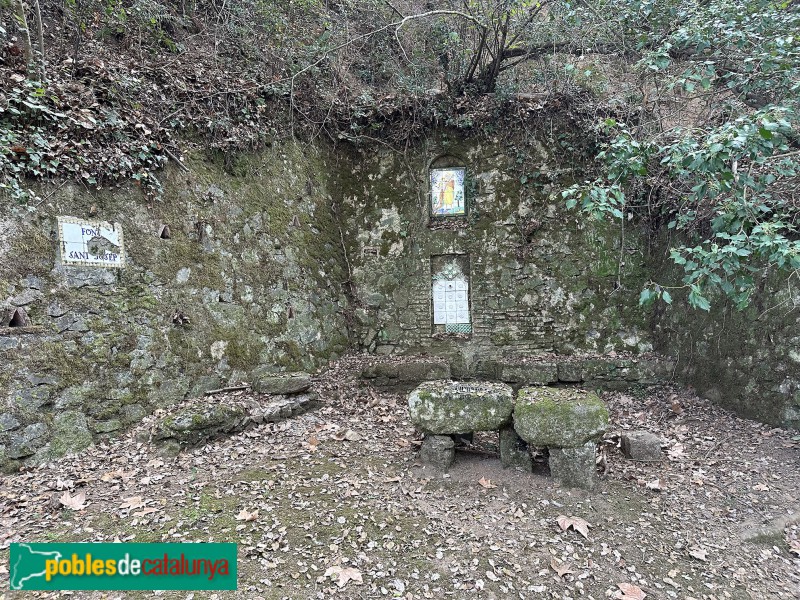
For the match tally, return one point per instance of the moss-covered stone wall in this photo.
(254, 261)
(747, 361)
(542, 280)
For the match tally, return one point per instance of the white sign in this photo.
(450, 302)
(87, 244)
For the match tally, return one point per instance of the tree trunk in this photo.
(22, 23)
(39, 40)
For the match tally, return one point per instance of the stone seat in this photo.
(569, 422)
(444, 408)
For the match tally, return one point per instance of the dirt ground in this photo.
(334, 504)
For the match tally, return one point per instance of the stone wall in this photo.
(247, 284)
(541, 279)
(747, 361)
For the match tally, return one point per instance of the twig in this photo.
(233, 388)
(169, 153)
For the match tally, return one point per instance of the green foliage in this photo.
(725, 181)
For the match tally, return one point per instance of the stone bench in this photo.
(568, 422)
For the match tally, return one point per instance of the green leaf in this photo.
(647, 297)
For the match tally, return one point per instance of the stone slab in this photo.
(558, 417)
(449, 407)
(529, 374)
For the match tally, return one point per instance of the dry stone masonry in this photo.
(569, 422)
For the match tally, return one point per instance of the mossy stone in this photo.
(449, 407)
(559, 418)
(70, 433)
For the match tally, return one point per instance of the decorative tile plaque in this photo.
(450, 291)
(447, 192)
(90, 244)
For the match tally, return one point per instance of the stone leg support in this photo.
(574, 467)
(514, 450)
(438, 451)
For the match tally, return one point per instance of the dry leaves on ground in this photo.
(578, 524)
(560, 567)
(344, 575)
(76, 502)
(628, 591)
(486, 483)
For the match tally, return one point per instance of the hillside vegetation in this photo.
(693, 104)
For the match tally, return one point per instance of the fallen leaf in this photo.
(794, 547)
(344, 574)
(630, 592)
(656, 485)
(76, 502)
(576, 523)
(132, 503)
(561, 568)
(760, 487)
(486, 483)
(111, 475)
(244, 515)
(698, 553)
(147, 511)
(491, 576)
(352, 436)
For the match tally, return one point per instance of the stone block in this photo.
(8, 422)
(105, 426)
(70, 433)
(570, 372)
(283, 384)
(448, 407)
(514, 450)
(26, 442)
(419, 371)
(641, 445)
(438, 451)
(529, 374)
(574, 467)
(559, 418)
(199, 423)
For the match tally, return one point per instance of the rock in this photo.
(73, 396)
(283, 407)
(283, 384)
(132, 413)
(70, 433)
(641, 445)
(200, 386)
(448, 407)
(199, 423)
(574, 467)
(514, 451)
(8, 422)
(28, 441)
(438, 451)
(31, 400)
(43, 379)
(559, 418)
(26, 297)
(405, 376)
(570, 372)
(105, 426)
(529, 374)
(183, 275)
